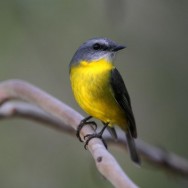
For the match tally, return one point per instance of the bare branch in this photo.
(155, 156)
(12, 109)
(158, 157)
(105, 162)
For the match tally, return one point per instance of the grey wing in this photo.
(122, 97)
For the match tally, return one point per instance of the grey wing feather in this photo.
(122, 97)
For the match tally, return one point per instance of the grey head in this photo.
(95, 49)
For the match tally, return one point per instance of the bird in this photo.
(100, 91)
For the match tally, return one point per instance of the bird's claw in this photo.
(91, 136)
(80, 126)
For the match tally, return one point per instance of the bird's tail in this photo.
(132, 148)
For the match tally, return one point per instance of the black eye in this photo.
(96, 46)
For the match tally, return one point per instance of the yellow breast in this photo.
(92, 90)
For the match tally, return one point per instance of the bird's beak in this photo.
(117, 48)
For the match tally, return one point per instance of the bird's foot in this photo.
(85, 122)
(91, 136)
(96, 135)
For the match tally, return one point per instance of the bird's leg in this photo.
(112, 131)
(96, 135)
(85, 122)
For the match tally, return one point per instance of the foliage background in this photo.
(37, 41)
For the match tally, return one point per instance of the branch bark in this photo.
(156, 156)
(105, 162)
(41, 107)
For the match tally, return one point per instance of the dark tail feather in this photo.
(132, 148)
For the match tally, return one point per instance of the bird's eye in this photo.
(96, 46)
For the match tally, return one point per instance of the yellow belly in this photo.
(92, 90)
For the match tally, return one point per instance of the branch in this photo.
(155, 156)
(105, 162)
(13, 109)
(48, 110)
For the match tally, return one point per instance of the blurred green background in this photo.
(37, 41)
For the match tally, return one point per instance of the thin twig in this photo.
(13, 109)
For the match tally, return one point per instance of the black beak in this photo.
(117, 48)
